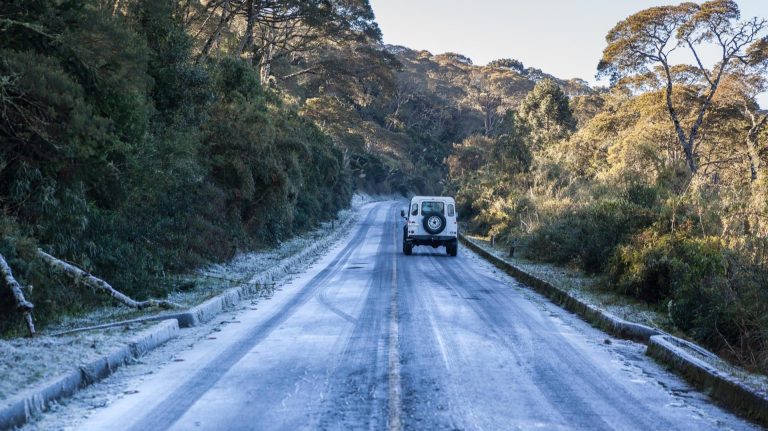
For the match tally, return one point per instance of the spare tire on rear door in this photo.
(434, 223)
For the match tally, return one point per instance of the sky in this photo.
(564, 38)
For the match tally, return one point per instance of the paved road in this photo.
(371, 339)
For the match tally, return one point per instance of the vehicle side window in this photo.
(451, 211)
(432, 207)
(415, 209)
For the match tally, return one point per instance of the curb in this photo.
(695, 364)
(687, 359)
(206, 311)
(19, 409)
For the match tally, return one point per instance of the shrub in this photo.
(588, 236)
(713, 292)
(653, 268)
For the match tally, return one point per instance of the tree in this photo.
(650, 36)
(545, 111)
(278, 28)
(511, 153)
(738, 92)
(508, 63)
(487, 99)
(492, 91)
(469, 157)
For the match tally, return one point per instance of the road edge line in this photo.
(395, 403)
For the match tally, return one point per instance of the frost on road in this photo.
(371, 339)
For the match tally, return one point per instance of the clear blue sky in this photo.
(562, 37)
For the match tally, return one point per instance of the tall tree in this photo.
(545, 111)
(739, 92)
(487, 99)
(650, 36)
(279, 28)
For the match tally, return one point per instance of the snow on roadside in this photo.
(26, 362)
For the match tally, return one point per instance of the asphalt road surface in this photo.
(371, 339)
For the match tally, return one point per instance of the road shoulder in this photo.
(741, 392)
(62, 361)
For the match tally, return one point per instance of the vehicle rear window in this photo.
(415, 209)
(450, 210)
(432, 207)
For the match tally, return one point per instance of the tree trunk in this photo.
(312, 70)
(265, 70)
(117, 7)
(247, 41)
(226, 16)
(753, 150)
(22, 305)
(85, 279)
(684, 142)
(265, 62)
(754, 161)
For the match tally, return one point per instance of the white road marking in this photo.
(395, 405)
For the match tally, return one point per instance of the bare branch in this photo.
(22, 305)
(84, 278)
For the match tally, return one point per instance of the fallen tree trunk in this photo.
(22, 305)
(85, 279)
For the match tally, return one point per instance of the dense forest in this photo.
(144, 138)
(126, 151)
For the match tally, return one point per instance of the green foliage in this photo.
(547, 114)
(588, 236)
(180, 90)
(508, 63)
(658, 268)
(120, 154)
(712, 291)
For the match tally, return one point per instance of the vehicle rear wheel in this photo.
(452, 248)
(407, 247)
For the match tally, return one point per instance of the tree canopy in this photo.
(649, 38)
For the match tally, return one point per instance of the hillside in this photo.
(398, 111)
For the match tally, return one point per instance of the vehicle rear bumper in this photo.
(430, 239)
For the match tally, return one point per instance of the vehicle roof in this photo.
(432, 198)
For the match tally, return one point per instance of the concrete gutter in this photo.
(708, 373)
(700, 367)
(18, 410)
(206, 311)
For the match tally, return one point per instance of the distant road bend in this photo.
(371, 339)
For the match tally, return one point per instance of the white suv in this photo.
(431, 220)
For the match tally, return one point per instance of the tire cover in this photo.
(434, 223)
